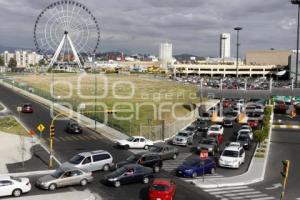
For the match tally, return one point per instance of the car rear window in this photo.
(159, 187)
(229, 153)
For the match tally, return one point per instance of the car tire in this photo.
(156, 169)
(52, 187)
(17, 193)
(126, 147)
(83, 182)
(194, 175)
(145, 180)
(117, 184)
(106, 167)
(213, 171)
(174, 156)
(146, 147)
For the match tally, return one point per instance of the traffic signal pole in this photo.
(285, 174)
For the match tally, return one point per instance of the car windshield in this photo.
(242, 138)
(182, 134)
(155, 149)
(205, 115)
(191, 162)
(159, 187)
(15, 179)
(214, 128)
(229, 153)
(130, 139)
(190, 128)
(120, 171)
(57, 173)
(74, 125)
(76, 159)
(133, 158)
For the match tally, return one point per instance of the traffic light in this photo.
(285, 169)
(52, 131)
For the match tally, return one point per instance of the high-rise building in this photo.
(225, 45)
(7, 56)
(165, 54)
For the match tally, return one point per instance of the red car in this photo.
(27, 108)
(253, 123)
(226, 103)
(162, 189)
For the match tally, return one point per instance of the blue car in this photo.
(195, 167)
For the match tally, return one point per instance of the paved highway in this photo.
(67, 146)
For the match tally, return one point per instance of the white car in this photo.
(137, 142)
(215, 130)
(232, 156)
(245, 132)
(246, 127)
(11, 186)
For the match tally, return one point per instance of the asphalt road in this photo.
(66, 146)
(285, 145)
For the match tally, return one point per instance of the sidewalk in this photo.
(73, 195)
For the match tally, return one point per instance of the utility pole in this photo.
(285, 174)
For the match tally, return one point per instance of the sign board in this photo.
(19, 108)
(40, 127)
(203, 154)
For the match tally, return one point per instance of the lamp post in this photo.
(297, 2)
(237, 49)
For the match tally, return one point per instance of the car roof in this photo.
(138, 137)
(132, 166)
(92, 153)
(146, 154)
(216, 125)
(5, 177)
(68, 168)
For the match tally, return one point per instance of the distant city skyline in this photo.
(139, 26)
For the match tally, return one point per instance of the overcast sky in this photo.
(193, 26)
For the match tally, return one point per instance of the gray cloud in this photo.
(193, 26)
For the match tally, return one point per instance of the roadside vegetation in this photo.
(262, 134)
(9, 124)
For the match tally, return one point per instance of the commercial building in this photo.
(225, 45)
(165, 54)
(268, 57)
(7, 56)
(23, 58)
(292, 65)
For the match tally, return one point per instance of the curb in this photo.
(32, 173)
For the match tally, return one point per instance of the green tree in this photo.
(1, 61)
(12, 63)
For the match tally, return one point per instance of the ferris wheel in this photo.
(66, 29)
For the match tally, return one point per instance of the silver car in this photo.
(64, 176)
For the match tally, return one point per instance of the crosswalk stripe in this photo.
(68, 138)
(74, 138)
(225, 188)
(63, 139)
(249, 196)
(94, 137)
(264, 198)
(231, 191)
(86, 137)
(56, 139)
(242, 193)
(80, 136)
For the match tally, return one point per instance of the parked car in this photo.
(210, 144)
(245, 141)
(202, 125)
(192, 129)
(64, 176)
(246, 132)
(215, 130)
(165, 152)
(163, 189)
(232, 156)
(27, 108)
(137, 142)
(132, 173)
(253, 124)
(245, 127)
(12, 186)
(196, 167)
(91, 161)
(151, 160)
(183, 138)
(73, 127)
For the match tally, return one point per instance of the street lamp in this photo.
(297, 2)
(237, 49)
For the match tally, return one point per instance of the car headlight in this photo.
(112, 179)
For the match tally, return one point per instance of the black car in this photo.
(202, 125)
(245, 141)
(73, 127)
(132, 173)
(227, 123)
(165, 152)
(151, 160)
(192, 128)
